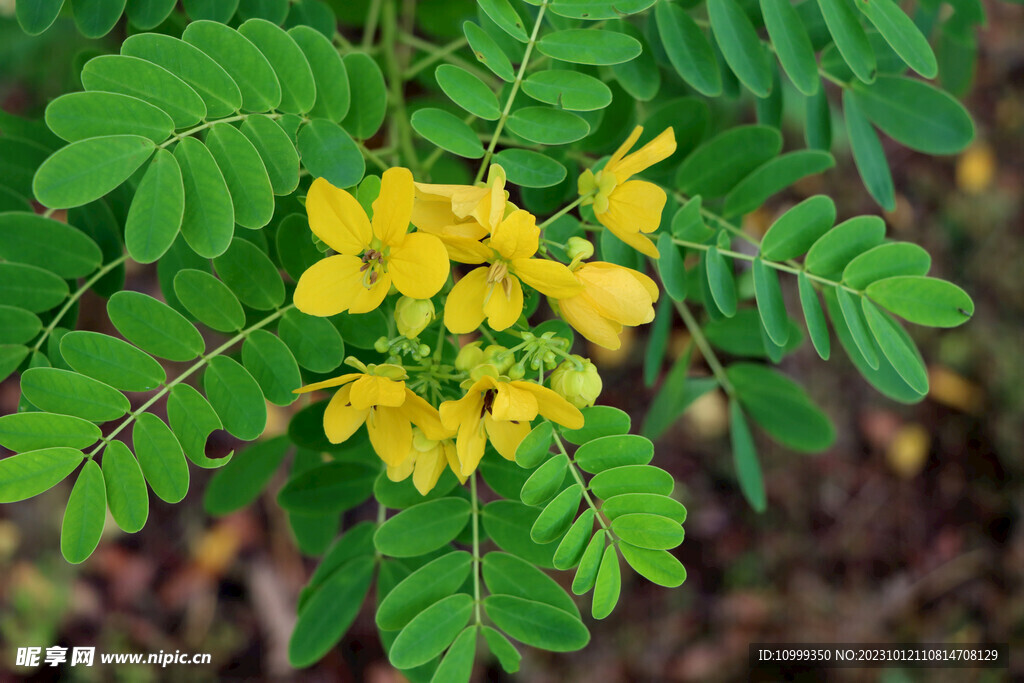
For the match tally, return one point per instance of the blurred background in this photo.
(907, 530)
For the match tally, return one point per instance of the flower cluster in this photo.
(408, 242)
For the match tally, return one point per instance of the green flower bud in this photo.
(381, 345)
(578, 248)
(579, 386)
(499, 356)
(470, 356)
(517, 371)
(413, 315)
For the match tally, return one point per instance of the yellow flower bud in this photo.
(413, 315)
(578, 381)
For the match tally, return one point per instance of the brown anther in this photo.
(373, 277)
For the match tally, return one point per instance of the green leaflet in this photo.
(793, 233)
(547, 126)
(148, 14)
(639, 77)
(530, 169)
(157, 210)
(608, 584)
(509, 575)
(594, 10)
(88, 169)
(193, 419)
(431, 631)
(607, 452)
(632, 479)
(243, 61)
(505, 16)
(740, 45)
(126, 491)
(148, 82)
(646, 530)
(590, 563)
(433, 581)
(329, 611)
(251, 275)
(211, 82)
(36, 17)
(332, 96)
(781, 407)
(855, 323)
(468, 91)
(213, 10)
(448, 132)
(84, 516)
(508, 523)
(209, 300)
(914, 113)
(845, 27)
(329, 152)
(154, 326)
(246, 177)
(829, 255)
(557, 516)
(688, 49)
(236, 397)
(96, 18)
(313, 341)
(57, 247)
(422, 528)
(770, 304)
(208, 222)
(545, 481)
(886, 260)
(30, 288)
(68, 393)
(28, 474)
(567, 89)
(598, 421)
(457, 664)
(671, 268)
(276, 150)
(722, 282)
(792, 44)
(298, 89)
(80, 115)
(111, 361)
(923, 300)
(657, 566)
(536, 446)
(488, 52)
(334, 487)
(774, 176)
(814, 317)
(896, 347)
(818, 131)
(589, 46)
(273, 11)
(21, 432)
(368, 96)
(868, 154)
(241, 481)
(718, 165)
(902, 34)
(744, 456)
(273, 366)
(161, 458)
(537, 624)
(570, 548)
(629, 503)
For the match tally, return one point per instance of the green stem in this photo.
(435, 56)
(512, 93)
(579, 480)
(425, 46)
(372, 156)
(475, 502)
(203, 126)
(736, 230)
(705, 347)
(400, 127)
(75, 297)
(564, 210)
(372, 17)
(199, 364)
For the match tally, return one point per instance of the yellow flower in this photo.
(501, 411)
(379, 398)
(612, 296)
(495, 292)
(370, 257)
(426, 462)
(630, 207)
(461, 215)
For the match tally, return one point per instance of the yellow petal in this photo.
(648, 284)
(502, 309)
(465, 250)
(419, 267)
(464, 310)
(452, 456)
(390, 434)
(341, 420)
(401, 471)
(636, 205)
(584, 318)
(517, 236)
(468, 408)
(658, 149)
(615, 158)
(470, 443)
(370, 390)
(616, 293)
(328, 383)
(392, 208)
(512, 402)
(425, 416)
(337, 218)
(549, 277)
(638, 241)
(429, 467)
(505, 436)
(329, 286)
(554, 407)
(432, 215)
(367, 300)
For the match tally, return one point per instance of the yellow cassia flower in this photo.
(612, 296)
(461, 215)
(627, 207)
(501, 411)
(495, 292)
(379, 398)
(371, 257)
(426, 462)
